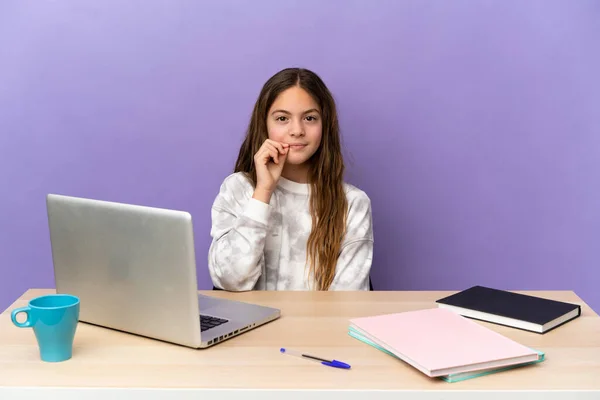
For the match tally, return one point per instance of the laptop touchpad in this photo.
(207, 302)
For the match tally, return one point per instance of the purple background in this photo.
(474, 126)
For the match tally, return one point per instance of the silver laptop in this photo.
(133, 268)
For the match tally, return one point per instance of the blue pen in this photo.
(329, 363)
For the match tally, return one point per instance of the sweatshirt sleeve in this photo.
(356, 255)
(239, 230)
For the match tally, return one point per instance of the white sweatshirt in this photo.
(259, 246)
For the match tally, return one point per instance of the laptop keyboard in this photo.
(207, 322)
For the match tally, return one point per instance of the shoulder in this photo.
(237, 182)
(360, 219)
(357, 198)
(236, 188)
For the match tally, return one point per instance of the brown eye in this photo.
(311, 118)
(281, 118)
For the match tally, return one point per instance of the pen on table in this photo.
(329, 363)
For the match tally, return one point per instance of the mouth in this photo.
(297, 146)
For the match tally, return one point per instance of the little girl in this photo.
(285, 219)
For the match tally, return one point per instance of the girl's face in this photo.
(295, 119)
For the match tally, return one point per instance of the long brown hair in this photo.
(328, 204)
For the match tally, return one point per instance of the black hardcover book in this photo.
(517, 310)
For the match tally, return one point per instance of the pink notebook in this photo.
(440, 342)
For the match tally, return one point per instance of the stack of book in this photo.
(447, 343)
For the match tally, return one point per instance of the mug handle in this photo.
(13, 317)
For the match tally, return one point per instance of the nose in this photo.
(296, 129)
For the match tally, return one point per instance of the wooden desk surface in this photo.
(313, 322)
